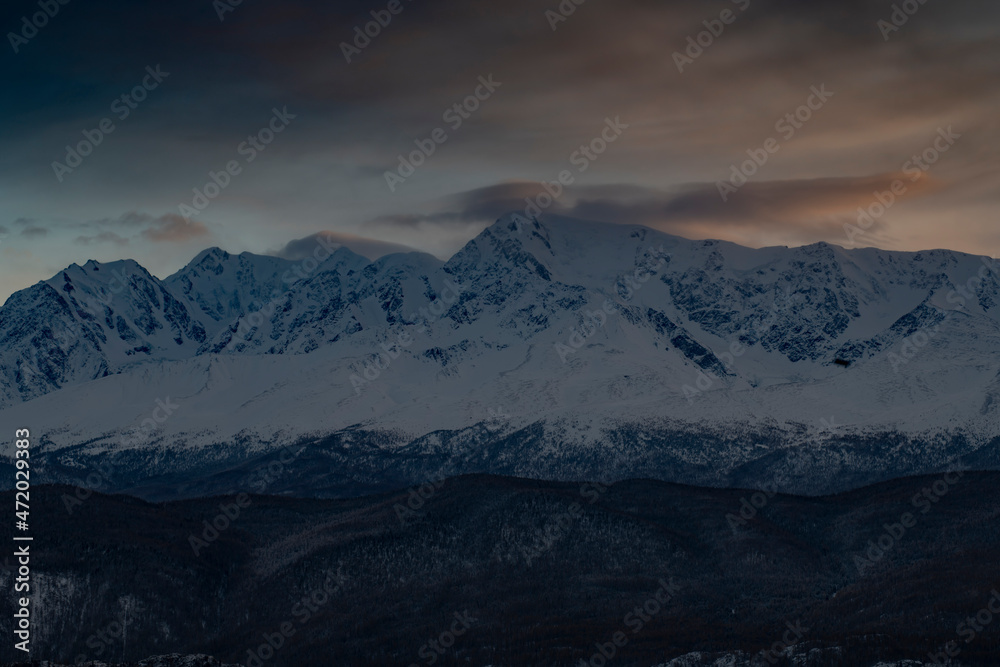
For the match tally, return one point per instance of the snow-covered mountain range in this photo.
(554, 348)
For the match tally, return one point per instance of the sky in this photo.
(151, 131)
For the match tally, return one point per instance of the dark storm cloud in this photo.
(801, 209)
(776, 204)
(369, 248)
(479, 205)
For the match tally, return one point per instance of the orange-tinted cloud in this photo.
(172, 228)
(803, 209)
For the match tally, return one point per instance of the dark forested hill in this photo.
(484, 570)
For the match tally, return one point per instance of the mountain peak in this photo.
(602, 335)
(99, 273)
(209, 257)
(514, 223)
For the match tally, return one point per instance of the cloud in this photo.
(480, 205)
(764, 204)
(366, 247)
(797, 210)
(133, 225)
(103, 237)
(34, 232)
(4, 232)
(173, 228)
(133, 219)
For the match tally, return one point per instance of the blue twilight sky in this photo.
(223, 71)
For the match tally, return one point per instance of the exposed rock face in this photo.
(612, 351)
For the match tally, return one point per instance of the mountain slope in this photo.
(87, 322)
(222, 286)
(559, 349)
